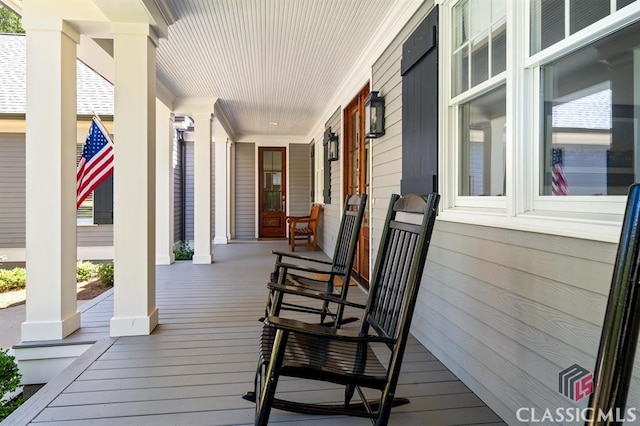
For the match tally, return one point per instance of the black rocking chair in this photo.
(296, 349)
(319, 276)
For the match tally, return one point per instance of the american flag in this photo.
(96, 163)
(558, 178)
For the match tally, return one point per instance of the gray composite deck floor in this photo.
(202, 357)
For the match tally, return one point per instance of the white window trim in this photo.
(593, 218)
(608, 205)
(448, 123)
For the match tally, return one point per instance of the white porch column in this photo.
(220, 140)
(202, 189)
(135, 311)
(51, 311)
(164, 185)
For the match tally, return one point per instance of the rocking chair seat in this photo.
(318, 352)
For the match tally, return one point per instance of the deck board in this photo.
(202, 357)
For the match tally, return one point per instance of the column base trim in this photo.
(49, 330)
(202, 259)
(165, 259)
(220, 240)
(133, 326)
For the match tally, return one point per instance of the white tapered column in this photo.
(135, 311)
(51, 311)
(164, 185)
(202, 189)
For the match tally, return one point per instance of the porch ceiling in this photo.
(266, 60)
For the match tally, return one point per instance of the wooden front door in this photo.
(356, 164)
(272, 192)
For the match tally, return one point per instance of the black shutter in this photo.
(419, 70)
(103, 202)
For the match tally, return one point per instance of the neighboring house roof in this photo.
(592, 111)
(95, 94)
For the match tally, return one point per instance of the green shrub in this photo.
(105, 273)
(86, 271)
(9, 382)
(182, 251)
(13, 279)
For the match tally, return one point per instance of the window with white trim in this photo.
(540, 126)
(589, 102)
(478, 105)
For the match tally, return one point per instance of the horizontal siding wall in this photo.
(330, 219)
(299, 179)
(12, 188)
(12, 201)
(508, 310)
(188, 210)
(245, 200)
(505, 310)
(177, 188)
(95, 235)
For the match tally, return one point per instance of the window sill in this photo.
(588, 226)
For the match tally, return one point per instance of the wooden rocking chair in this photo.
(296, 349)
(305, 227)
(315, 276)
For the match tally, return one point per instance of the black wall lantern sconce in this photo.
(331, 139)
(374, 116)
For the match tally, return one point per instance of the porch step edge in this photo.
(28, 411)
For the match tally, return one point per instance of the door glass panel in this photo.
(353, 150)
(272, 181)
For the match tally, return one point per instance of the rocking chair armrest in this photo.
(282, 254)
(306, 268)
(322, 331)
(313, 294)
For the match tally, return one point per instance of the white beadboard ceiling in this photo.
(266, 60)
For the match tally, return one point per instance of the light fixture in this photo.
(331, 139)
(374, 116)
